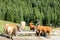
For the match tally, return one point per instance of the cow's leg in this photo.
(48, 32)
(40, 33)
(33, 29)
(5, 31)
(48, 35)
(14, 32)
(44, 34)
(37, 33)
(10, 33)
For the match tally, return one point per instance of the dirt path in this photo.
(54, 37)
(24, 38)
(31, 38)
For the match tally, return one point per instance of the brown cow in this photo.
(32, 27)
(10, 29)
(43, 30)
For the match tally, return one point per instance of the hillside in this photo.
(46, 11)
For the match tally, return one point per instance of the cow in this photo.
(10, 29)
(32, 26)
(23, 24)
(43, 30)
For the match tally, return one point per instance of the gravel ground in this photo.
(24, 38)
(31, 38)
(55, 36)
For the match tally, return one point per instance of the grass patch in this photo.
(27, 28)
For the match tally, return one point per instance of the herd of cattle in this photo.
(41, 30)
(11, 29)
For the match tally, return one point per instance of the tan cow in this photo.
(23, 24)
(10, 29)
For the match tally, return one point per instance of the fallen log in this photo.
(26, 33)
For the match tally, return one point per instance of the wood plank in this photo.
(26, 32)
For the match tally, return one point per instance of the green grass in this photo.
(27, 28)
